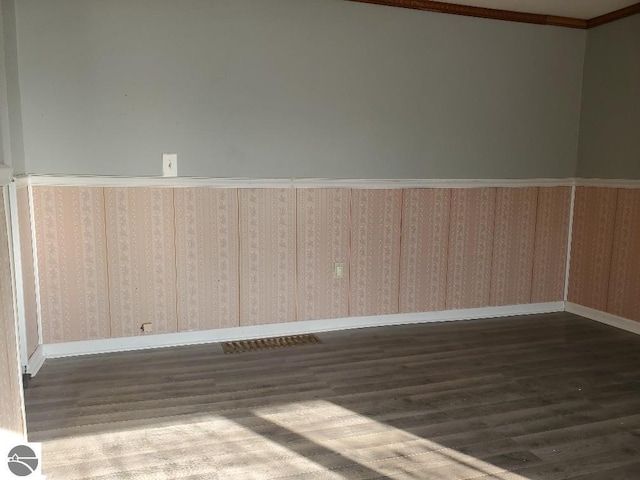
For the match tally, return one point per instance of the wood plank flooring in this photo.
(538, 397)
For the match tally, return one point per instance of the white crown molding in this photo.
(605, 182)
(56, 350)
(603, 317)
(6, 174)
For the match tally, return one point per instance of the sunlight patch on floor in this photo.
(312, 439)
(213, 443)
(387, 450)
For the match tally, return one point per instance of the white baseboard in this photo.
(603, 317)
(36, 361)
(56, 350)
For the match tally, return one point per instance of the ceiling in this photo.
(584, 9)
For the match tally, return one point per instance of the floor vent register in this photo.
(266, 343)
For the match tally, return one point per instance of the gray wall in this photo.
(302, 88)
(5, 154)
(10, 109)
(610, 125)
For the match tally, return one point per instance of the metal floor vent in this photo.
(264, 343)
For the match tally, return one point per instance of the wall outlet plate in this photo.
(169, 164)
(338, 270)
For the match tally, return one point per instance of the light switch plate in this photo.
(338, 270)
(169, 164)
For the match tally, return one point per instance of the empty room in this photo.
(320, 239)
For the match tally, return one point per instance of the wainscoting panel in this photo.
(470, 248)
(375, 251)
(593, 225)
(141, 253)
(28, 273)
(513, 246)
(552, 236)
(323, 239)
(203, 258)
(11, 416)
(72, 263)
(624, 285)
(423, 259)
(267, 256)
(207, 258)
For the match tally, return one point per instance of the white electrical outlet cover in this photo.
(169, 164)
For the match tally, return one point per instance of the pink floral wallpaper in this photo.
(470, 247)
(11, 418)
(552, 236)
(201, 258)
(375, 251)
(142, 264)
(624, 284)
(424, 249)
(323, 239)
(28, 272)
(267, 256)
(72, 263)
(594, 219)
(207, 258)
(513, 246)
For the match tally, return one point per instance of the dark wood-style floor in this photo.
(538, 397)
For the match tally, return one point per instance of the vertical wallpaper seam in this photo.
(493, 245)
(349, 287)
(175, 255)
(398, 283)
(239, 261)
(446, 273)
(535, 242)
(106, 252)
(613, 239)
(296, 288)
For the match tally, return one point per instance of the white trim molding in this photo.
(430, 183)
(18, 291)
(17, 337)
(21, 181)
(36, 360)
(185, 182)
(607, 182)
(356, 183)
(142, 342)
(567, 267)
(36, 271)
(604, 317)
